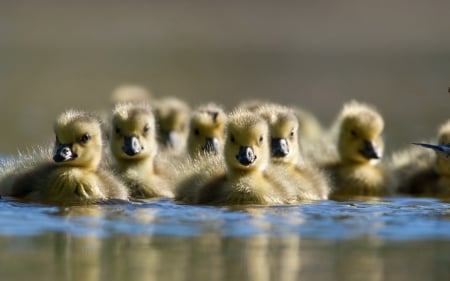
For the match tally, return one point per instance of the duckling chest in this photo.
(363, 179)
(74, 184)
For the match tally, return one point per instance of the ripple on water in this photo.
(390, 219)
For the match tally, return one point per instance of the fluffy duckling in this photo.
(172, 115)
(243, 177)
(358, 171)
(134, 148)
(309, 129)
(207, 130)
(308, 181)
(429, 174)
(130, 93)
(74, 175)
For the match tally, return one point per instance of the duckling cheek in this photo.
(132, 146)
(64, 153)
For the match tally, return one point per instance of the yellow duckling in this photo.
(243, 178)
(172, 115)
(130, 93)
(134, 148)
(358, 170)
(207, 130)
(309, 129)
(74, 175)
(431, 176)
(305, 180)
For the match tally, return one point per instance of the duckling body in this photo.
(421, 172)
(302, 179)
(134, 149)
(74, 175)
(207, 130)
(243, 177)
(358, 171)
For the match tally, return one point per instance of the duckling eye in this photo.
(196, 132)
(85, 138)
(117, 130)
(292, 133)
(232, 138)
(353, 133)
(146, 128)
(261, 139)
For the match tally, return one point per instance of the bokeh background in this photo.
(315, 54)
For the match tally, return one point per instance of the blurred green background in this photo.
(316, 54)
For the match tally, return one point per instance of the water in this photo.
(384, 239)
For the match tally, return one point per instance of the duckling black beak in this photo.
(246, 156)
(279, 147)
(369, 150)
(170, 139)
(131, 146)
(64, 153)
(444, 149)
(211, 145)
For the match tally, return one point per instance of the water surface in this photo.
(384, 239)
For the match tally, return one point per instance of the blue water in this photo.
(387, 219)
(384, 239)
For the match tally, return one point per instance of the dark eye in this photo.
(353, 133)
(146, 128)
(261, 139)
(196, 132)
(232, 138)
(85, 138)
(117, 130)
(292, 133)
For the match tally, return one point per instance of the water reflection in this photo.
(391, 239)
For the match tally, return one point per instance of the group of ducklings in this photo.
(259, 153)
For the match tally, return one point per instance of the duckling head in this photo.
(360, 134)
(283, 125)
(78, 139)
(207, 130)
(130, 93)
(247, 143)
(172, 116)
(133, 132)
(442, 149)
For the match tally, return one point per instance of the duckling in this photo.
(429, 174)
(207, 130)
(172, 115)
(309, 129)
(134, 148)
(242, 178)
(357, 169)
(74, 175)
(130, 93)
(308, 181)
